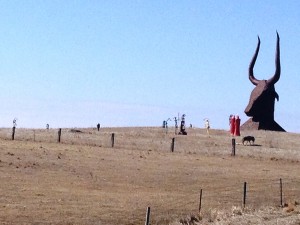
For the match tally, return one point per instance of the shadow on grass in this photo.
(253, 145)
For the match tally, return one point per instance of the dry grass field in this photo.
(84, 180)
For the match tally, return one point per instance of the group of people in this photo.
(234, 123)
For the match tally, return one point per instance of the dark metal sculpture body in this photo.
(182, 126)
(262, 100)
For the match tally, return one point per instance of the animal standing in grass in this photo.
(248, 139)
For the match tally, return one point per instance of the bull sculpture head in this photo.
(262, 100)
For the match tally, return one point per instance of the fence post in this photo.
(112, 140)
(233, 147)
(281, 200)
(200, 200)
(173, 145)
(147, 216)
(59, 135)
(245, 193)
(13, 133)
(33, 135)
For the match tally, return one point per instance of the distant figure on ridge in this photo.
(182, 126)
(237, 126)
(232, 124)
(207, 126)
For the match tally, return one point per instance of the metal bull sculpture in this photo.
(262, 100)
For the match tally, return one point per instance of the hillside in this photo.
(84, 180)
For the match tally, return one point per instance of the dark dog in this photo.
(248, 139)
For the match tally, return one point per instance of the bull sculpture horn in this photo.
(251, 66)
(276, 76)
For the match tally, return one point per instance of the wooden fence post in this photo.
(112, 140)
(13, 133)
(200, 200)
(147, 216)
(233, 147)
(59, 135)
(173, 145)
(245, 193)
(281, 200)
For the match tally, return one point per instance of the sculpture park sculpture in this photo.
(182, 126)
(262, 100)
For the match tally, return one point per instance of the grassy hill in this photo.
(84, 180)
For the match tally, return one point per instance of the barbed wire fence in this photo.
(157, 139)
(259, 195)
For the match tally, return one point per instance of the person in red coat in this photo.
(237, 126)
(232, 125)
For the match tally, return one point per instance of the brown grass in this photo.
(84, 181)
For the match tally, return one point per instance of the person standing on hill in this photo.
(207, 126)
(237, 126)
(232, 124)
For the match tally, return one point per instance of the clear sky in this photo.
(137, 63)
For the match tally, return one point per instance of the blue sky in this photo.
(137, 63)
